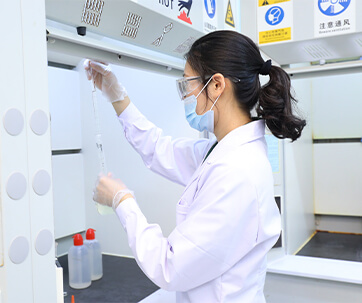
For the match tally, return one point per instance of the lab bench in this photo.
(122, 282)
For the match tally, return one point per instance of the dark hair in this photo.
(238, 59)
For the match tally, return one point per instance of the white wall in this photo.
(337, 112)
(67, 168)
(298, 175)
(288, 288)
(337, 179)
(156, 97)
(342, 224)
(64, 106)
(337, 106)
(68, 192)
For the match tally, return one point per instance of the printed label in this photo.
(334, 17)
(275, 21)
(276, 35)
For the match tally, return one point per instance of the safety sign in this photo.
(334, 17)
(270, 2)
(333, 7)
(185, 8)
(229, 18)
(210, 17)
(275, 21)
(210, 7)
(274, 15)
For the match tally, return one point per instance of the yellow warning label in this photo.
(229, 19)
(275, 35)
(271, 2)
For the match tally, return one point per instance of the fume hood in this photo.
(142, 29)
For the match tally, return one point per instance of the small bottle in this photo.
(95, 253)
(78, 264)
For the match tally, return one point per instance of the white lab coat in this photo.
(227, 219)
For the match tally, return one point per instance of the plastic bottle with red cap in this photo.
(79, 264)
(95, 254)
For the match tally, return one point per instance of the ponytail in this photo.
(238, 58)
(276, 105)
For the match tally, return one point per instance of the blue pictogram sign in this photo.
(333, 7)
(274, 15)
(210, 7)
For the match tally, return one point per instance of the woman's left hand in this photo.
(106, 189)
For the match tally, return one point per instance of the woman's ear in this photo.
(218, 84)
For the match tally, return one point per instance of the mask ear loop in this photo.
(204, 87)
(216, 100)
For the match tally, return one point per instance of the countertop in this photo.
(122, 282)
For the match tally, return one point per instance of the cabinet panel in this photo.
(337, 179)
(64, 101)
(337, 106)
(68, 189)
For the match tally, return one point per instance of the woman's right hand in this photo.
(105, 80)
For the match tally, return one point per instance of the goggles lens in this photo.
(187, 85)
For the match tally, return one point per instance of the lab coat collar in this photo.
(246, 133)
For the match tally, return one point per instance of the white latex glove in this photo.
(110, 191)
(105, 80)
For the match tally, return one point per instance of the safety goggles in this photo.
(187, 85)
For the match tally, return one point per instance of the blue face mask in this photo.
(199, 122)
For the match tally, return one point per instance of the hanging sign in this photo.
(334, 17)
(275, 20)
(185, 12)
(210, 16)
(184, 9)
(229, 18)
(180, 10)
(270, 2)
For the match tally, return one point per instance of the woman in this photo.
(227, 219)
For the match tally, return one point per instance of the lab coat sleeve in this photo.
(175, 159)
(210, 241)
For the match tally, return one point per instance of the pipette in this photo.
(103, 210)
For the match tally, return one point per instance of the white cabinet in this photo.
(64, 103)
(337, 112)
(337, 107)
(68, 190)
(337, 179)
